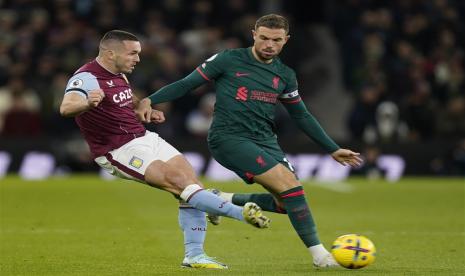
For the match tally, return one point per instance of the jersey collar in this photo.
(252, 57)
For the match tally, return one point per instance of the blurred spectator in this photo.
(363, 113)
(199, 120)
(452, 162)
(389, 126)
(19, 110)
(370, 168)
(451, 120)
(458, 158)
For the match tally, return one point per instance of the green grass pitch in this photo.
(86, 226)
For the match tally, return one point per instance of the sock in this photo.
(194, 225)
(265, 201)
(228, 197)
(300, 215)
(210, 203)
(318, 251)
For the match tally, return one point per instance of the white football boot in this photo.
(325, 261)
(202, 261)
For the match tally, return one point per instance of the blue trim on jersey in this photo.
(82, 82)
(77, 90)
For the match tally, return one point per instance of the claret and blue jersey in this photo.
(113, 122)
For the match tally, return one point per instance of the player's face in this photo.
(127, 56)
(268, 43)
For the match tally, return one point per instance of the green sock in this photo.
(265, 201)
(300, 215)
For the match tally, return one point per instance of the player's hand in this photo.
(95, 97)
(157, 116)
(144, 111)
(347, 157)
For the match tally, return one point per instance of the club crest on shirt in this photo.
(76, 83)
(136, 162)
(276, 82)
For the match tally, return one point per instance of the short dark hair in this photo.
(119, 36)
(273, 21)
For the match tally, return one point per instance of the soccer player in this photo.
(249, 84)
(100, 98)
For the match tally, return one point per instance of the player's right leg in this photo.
(177, 176)
(151, 160)
(266, 201)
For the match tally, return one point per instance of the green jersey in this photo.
(247, 92)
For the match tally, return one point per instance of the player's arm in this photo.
(145, 113)
(74, 104)
(141, 109)
(176, 89)
(310, 126)
(81, 94)
(209, 70)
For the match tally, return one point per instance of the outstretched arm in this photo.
(209, 70)
(167, 93)
(177, 89)
(310, 126)
(143, 108)
(145, 113)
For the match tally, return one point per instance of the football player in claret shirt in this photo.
(250, 82)
(100, 98)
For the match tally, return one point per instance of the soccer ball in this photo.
(353, 251)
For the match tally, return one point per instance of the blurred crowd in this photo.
(404, 63)
(403, 60)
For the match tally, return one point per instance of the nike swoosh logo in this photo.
(238, 74)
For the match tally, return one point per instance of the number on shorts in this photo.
(289, 164)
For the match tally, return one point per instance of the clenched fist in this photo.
(157, 116)
(94, 97)
(143, 111)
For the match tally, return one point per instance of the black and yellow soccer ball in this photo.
(353, 251)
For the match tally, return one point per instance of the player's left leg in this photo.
(290, 201)
(254, 163)
(194, 227)
(266, 201)
(291, 193)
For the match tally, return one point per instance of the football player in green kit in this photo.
(249, 84)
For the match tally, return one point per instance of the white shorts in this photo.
(132, 159)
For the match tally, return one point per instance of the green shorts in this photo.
(247, 158)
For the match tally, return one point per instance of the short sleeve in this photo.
(213, 67)
(82, 83)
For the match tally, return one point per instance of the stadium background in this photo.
(383, 77)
